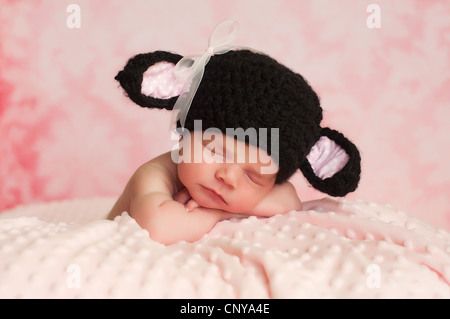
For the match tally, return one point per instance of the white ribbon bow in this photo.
(190, 69)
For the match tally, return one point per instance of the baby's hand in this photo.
(191, 205)
(183, 197)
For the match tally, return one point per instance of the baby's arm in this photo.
(282, 199)
(166, 220)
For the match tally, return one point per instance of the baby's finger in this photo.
(191, 205)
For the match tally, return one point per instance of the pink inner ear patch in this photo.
(327, 158)
(160, 82)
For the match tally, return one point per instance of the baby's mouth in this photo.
(214, 194)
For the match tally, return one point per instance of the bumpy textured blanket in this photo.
(338, 249)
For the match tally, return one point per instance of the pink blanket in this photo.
(361, 250)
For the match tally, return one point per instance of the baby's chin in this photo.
(230, 206)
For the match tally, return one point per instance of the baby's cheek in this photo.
(187, 173)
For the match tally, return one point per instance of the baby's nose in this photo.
(229, 175)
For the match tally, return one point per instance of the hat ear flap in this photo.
(149, 81)
(333, 165)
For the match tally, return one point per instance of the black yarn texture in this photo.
(244, 89)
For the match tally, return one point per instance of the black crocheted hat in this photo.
(245, 89)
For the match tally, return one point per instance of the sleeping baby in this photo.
(182, 199)
(246, 125)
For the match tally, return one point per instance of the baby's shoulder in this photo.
(162, 162)
(156, 174)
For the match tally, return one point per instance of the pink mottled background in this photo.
(67, 131)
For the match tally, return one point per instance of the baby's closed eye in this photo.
(254, 177)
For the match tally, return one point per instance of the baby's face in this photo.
(224, 173)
